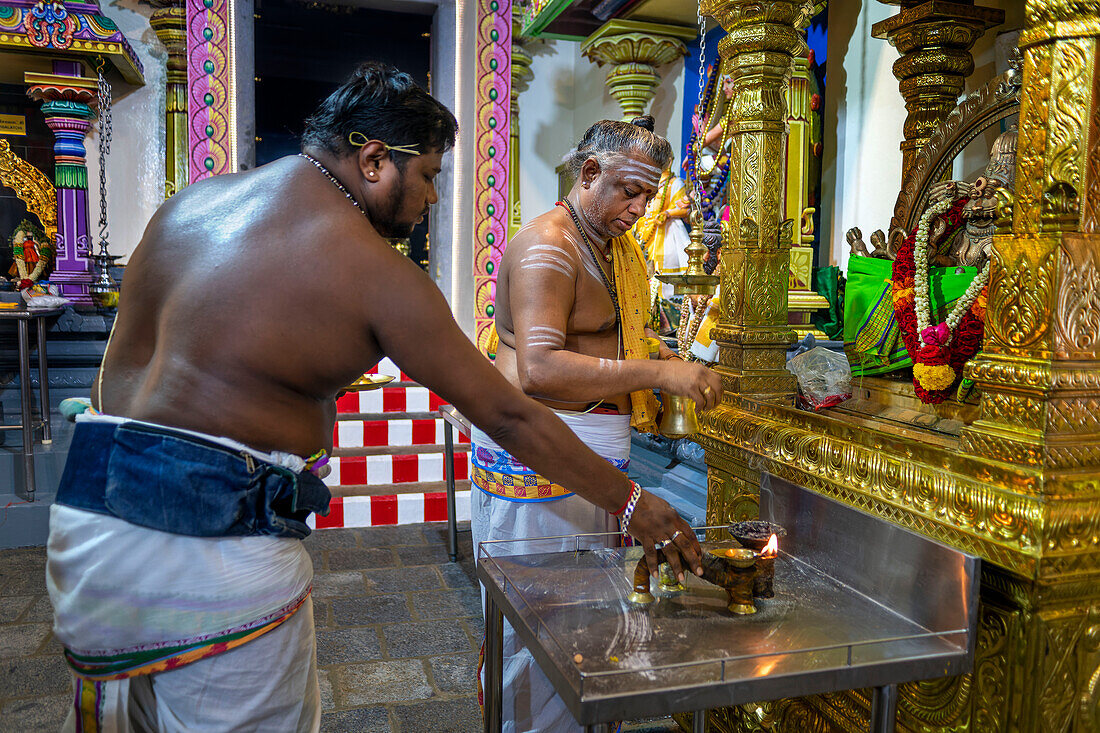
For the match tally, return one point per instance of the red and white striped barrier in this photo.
(374, 433)
(374, 511)
(399, 469)
(390, 399)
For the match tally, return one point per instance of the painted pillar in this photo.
(169, 22)
(493, 104)
(635, 50)
(211, 110)
(934, 40)
(67, 100)
(521, 75)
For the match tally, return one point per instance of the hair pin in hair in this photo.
(362, 140)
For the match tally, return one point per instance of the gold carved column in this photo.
(169, 22)
(635, 50)
(934, 38)
(1039, 372)
(752, 330)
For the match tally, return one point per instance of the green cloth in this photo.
(872, 338)
(827, 283)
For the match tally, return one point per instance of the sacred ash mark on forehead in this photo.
(636, 171)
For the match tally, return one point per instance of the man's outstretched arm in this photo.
(428, 346)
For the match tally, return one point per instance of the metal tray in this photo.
(859, 602)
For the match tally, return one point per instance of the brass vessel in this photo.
(678, 420)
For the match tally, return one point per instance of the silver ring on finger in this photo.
(663, 544)
(675, 534)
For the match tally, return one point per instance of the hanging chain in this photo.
(104, 151)
(700, 110)
(702, 61)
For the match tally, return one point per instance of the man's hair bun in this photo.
(645, 122)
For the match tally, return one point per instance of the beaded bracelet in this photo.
(631, 504)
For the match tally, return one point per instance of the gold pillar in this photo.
(635, 49)
(800, 168)
(752, 329)
(169, 22)
(934, 38)
(521, 75)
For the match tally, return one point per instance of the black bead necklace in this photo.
(592, 251)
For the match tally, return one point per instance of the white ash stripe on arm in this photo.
(545, 336)
(547, 257)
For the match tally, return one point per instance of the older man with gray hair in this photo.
(572, 299)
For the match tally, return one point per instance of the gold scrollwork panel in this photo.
(1034, 113)
(1021, 289)
(1077, 307)
(31, 186)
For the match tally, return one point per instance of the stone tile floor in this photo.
(398, 631)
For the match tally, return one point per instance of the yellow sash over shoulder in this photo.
(632, 284)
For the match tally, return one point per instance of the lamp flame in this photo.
(771, 549)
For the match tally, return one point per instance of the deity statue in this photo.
(708, 160)
(32, 255)
(661, 231)
(971, 246)
(713, 146)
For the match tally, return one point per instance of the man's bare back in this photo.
(551, 241)
(240, 283)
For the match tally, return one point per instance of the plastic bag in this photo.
(40, 300)
(824, 377)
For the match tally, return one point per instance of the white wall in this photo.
(863, 118)
(135, 166)
(567, 94)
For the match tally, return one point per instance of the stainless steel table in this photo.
(452, 420)
(22, 319)
(859, 603)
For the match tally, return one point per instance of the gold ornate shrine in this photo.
(1019, 483)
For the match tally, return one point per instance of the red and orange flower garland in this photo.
(937, 368)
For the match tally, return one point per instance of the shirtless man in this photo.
(180, 586)
(570, 308)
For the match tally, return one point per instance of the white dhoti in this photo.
(169, 632)
(530, 703)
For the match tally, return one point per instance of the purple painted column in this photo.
(66, 99)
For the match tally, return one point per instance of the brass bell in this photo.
(678, 419)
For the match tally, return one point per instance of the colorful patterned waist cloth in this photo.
(496, 472)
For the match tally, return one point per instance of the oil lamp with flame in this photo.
(765, 569)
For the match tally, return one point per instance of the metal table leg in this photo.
(884, 709)
(449, 468)
(699, 721)
(25, 398)
(43, 382)
(494, 664)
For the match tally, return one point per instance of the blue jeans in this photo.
(158, 478)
